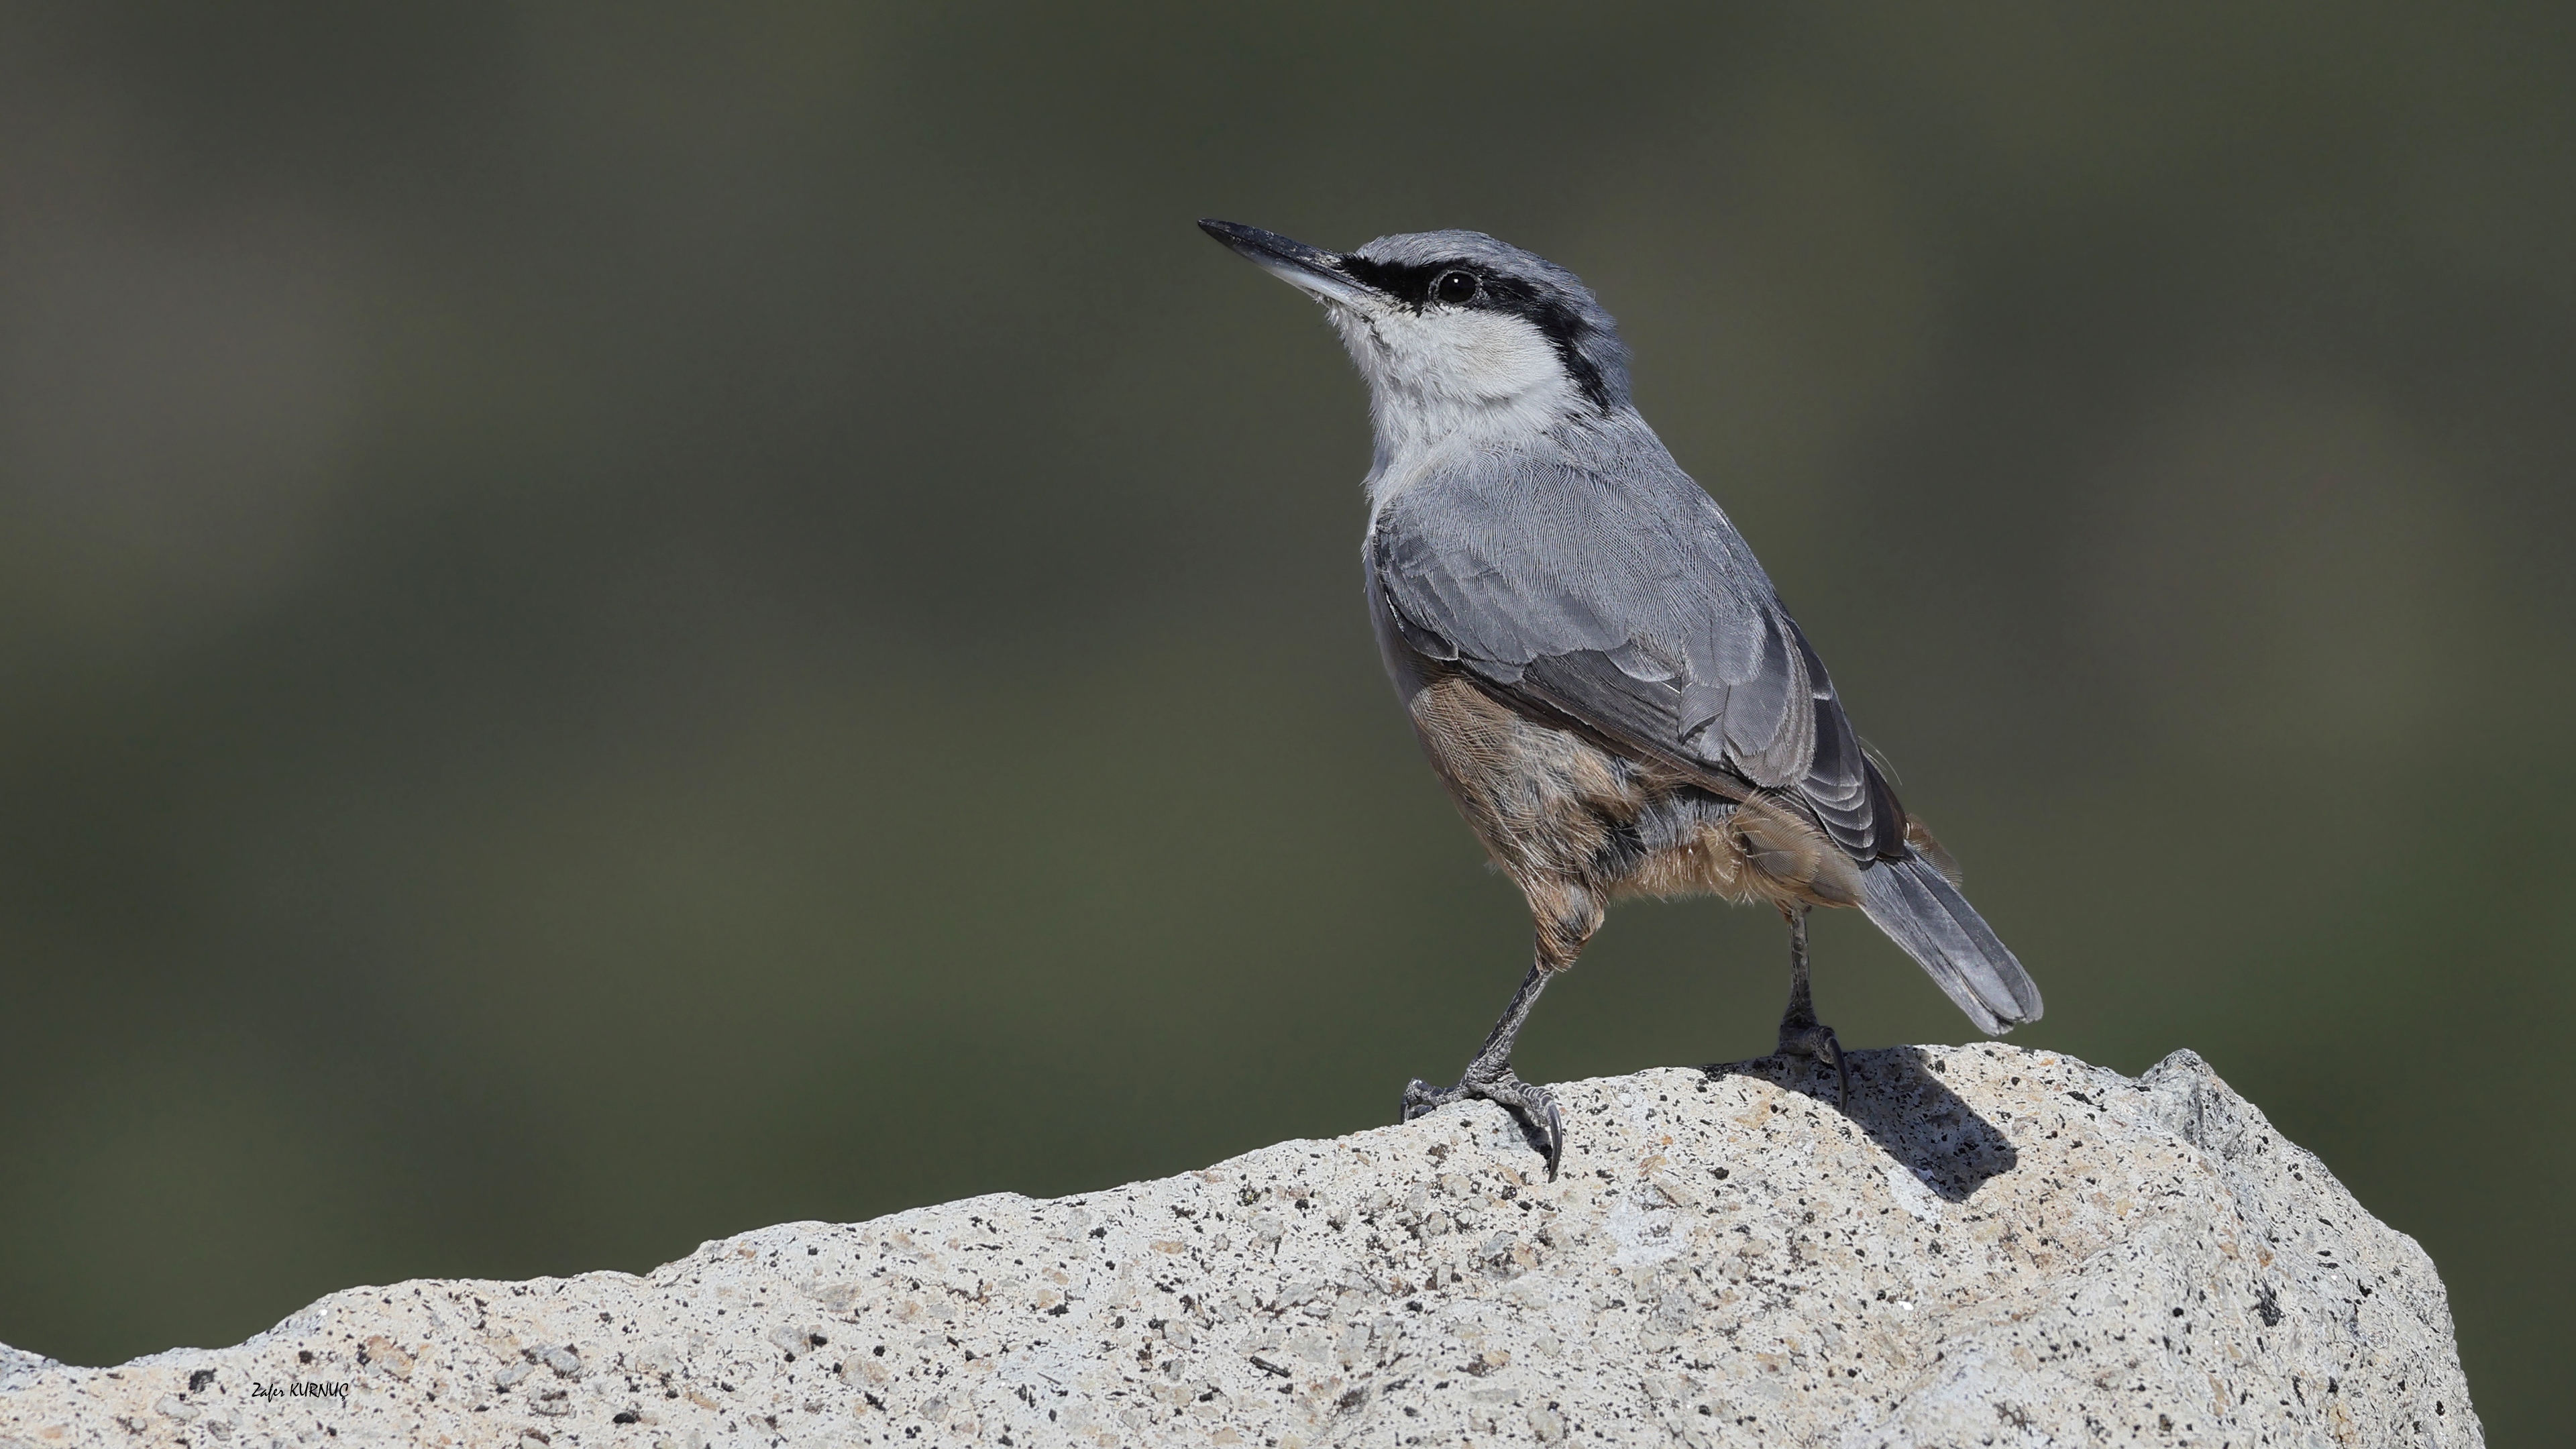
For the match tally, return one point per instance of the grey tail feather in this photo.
(1925, 914)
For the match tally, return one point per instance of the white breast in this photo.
(1444, 379)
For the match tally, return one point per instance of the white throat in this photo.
(1444, 381)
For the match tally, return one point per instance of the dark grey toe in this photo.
(1819, 1045)
(1531, 1105)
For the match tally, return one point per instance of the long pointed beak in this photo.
(1317, 273)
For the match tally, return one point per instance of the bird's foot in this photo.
(1529, 1104)
(1819, 1044)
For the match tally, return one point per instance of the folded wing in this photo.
(1638, 614)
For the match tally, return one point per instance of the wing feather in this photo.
(1635, 612)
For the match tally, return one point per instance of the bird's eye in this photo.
(1454, 287)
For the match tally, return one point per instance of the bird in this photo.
(1593, 660)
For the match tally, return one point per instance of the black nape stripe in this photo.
(1554, 316)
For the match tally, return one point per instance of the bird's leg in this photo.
(1490, 1076)
(1801, 1035)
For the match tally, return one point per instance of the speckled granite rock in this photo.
(1994, 1247)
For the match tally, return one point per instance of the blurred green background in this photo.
(621, 623)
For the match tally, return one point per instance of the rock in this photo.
(1995, 1246)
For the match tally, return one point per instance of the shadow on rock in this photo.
(1900, 1100)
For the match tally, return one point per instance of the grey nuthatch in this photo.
(1598, 668)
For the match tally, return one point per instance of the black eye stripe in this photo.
(1420, 285)
(1408, 283)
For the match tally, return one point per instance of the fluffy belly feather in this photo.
(1578, 826)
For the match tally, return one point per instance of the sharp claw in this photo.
(1819, 1045)
(1553, 1129)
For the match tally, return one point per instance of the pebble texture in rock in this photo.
(1994, 1247)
